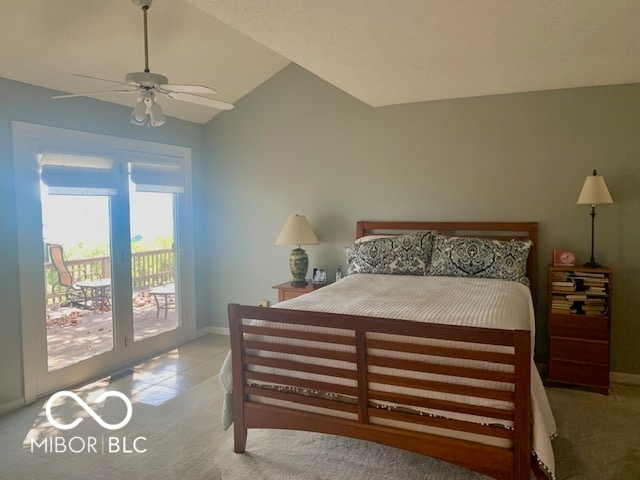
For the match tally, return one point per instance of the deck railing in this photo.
(148, 269)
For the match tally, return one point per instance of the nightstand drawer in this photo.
(579, 326)
(289, 294)
(578, 374)
(593, 352)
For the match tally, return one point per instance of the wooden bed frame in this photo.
(359, 419)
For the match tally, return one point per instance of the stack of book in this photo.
(581, 293)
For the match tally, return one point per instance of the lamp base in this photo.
(592, 264)
(299, 265)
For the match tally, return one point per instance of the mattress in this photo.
(470, 302)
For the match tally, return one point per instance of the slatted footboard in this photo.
(349, 375)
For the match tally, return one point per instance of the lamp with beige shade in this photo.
(297, 231)
(594, 192)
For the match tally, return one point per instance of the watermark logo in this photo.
(89, 410)
(88, 444)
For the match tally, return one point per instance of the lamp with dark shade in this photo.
(297, 231)
(594, 192)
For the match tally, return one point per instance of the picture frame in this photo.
(564, 257)
(319, 276)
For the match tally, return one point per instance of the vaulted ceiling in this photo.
(380, 51)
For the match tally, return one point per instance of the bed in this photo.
(419, 360)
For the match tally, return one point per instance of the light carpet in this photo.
(184, 440)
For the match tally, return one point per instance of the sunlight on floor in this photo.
(152, 383)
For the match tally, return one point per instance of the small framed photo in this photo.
(319, 275)
(564, 257)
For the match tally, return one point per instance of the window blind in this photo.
(150, 176)
(68, 174)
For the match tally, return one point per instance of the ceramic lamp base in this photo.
(299, 265)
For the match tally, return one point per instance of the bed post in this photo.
(522, 399)
(235, 333)
(532, 262)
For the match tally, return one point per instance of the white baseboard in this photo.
(626, 378)
(11, 406)
(213, 330)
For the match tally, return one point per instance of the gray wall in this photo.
(26, 103)
(299, 145)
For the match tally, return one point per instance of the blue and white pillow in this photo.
(479, 257)
(407, 254)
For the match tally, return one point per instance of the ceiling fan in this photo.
(147, 85)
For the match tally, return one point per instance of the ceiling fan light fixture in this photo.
(155, 114)
(147, 112)
(139, 113)
(136, 120)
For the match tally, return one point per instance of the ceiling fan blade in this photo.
(102, 79)
(71, 95)
(207, 102)
(187, 88)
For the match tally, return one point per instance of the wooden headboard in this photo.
(493, 230)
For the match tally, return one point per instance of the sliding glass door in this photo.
(78, 313)
(154, 187)
(107, 287)
(153, 264)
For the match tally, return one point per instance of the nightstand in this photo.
(286, 291)
(579, 326)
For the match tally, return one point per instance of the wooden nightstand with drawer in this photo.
(286, 291)
(579, 326)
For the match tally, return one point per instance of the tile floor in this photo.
(152, 383)
(167, 375)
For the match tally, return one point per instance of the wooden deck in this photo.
(74, 334)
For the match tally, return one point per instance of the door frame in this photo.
(28, 140)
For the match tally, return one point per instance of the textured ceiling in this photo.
(388, 52)
(382, 52)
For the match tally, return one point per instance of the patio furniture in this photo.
(165, 298)
(89, 291)
(95, 293)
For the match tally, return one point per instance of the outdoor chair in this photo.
(88, 291)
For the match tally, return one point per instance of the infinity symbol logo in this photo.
(89, 410)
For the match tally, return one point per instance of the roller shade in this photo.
(167, 177)
(67, 174)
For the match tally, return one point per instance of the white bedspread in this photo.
(455, 301)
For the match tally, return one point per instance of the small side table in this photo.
(286, 291)
(579, 326)
(95, 293)
(165, 298)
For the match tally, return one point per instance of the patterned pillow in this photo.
(477, 257)
(399, 255)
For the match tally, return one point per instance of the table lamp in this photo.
(594, 192)
(297, 231)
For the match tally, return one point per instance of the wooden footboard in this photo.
(355, 396)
